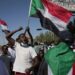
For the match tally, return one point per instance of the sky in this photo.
(15, 14)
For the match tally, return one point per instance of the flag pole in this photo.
(29, 13)
(28, 18)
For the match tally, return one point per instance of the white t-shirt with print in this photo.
(24, 56)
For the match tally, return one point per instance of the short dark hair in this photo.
(21, 35)
(4, 46)
(26, 38)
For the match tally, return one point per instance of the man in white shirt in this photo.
(25, 59)
(24, 56)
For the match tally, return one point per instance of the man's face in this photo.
(23, 38)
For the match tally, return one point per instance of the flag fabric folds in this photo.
(55, 18)
(3, 25)
(52, 17)
(50, 12)
(60, 59)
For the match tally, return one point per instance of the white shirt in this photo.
(24, 58)
(11, 52)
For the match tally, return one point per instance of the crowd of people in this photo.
(22, 56)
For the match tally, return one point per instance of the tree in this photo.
(47, 37)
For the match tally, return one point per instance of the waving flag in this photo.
(61, 59)
(56, 19)
(3, 25)
(52, 17)
(50, 12)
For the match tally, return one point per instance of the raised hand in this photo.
(27, 28)
(20, 28)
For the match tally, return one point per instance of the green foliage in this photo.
(47, 37)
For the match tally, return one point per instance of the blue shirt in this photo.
(3, 69)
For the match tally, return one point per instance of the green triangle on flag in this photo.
(35, 4)
(60, 59)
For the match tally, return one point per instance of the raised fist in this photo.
(20, 28)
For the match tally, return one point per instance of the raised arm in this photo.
(9, 35)
(30, 36)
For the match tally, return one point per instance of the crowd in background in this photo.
(23, 56)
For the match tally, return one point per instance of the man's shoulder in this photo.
(30, 47)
